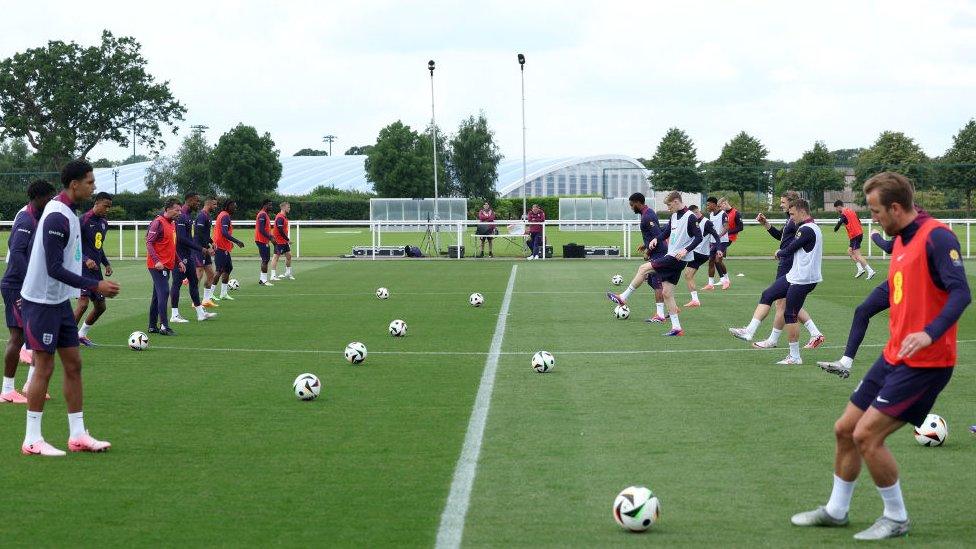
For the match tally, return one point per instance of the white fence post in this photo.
(135, 238)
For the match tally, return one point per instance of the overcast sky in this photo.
(601, 77)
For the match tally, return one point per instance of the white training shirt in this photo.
(679, 234)
(718, 221)
(806, 265)
(40, 287)
(703, 248)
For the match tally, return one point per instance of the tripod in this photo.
(429, 242)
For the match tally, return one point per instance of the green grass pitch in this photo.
(211, 448)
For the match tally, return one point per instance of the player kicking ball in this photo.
(802, 278)
(684, 238)
(929, 292)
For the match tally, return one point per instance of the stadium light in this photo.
(329, 139)
(433, 131)
(199, 128)
(521, 60)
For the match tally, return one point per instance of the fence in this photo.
(336, 238)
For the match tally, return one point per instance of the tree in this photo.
(446, 185)
(741, 167)
(134, 159)
(311, 152)
(358, 150)
(846, 158)
(474, 159)
(16, 156)
(674, 165)
(894, 152)
(399, 164)
(160, 176)
(103, 163)
(193, 166)
(815, 173)
(959, 171)
(64, 99)
(245, 164)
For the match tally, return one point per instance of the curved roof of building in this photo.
(301, 174)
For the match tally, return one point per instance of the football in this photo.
(307, 387)
(543, 362)
(621, 312)
(355, 352)
(398, 328)
(233, 284)
(138, 341)
(476, 300)
(932, 432)
(617, 280)
(382, 293)
(636, 508)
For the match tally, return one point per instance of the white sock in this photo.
(860, 269)
(846, 361)
(660, 309)
(773, 338)
(30, 375)
(223, 290)
(694, 296)
(264, 277)
(288, 270)
(711, 281)
(175, 313)
(869, 269)
(812, 328)
(274, 274)
(33, 427)
(76, 424)
(795, 349)
(8, 384)
(675, 323)
(840, 498)
(83, 331)
(894, 505)
(207, 293)
(627, 292)
(725, 278)
(753, 326)
(201, 312)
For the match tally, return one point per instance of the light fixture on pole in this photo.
(521, 60)
(433, 132)
(329, 139)
(115, 172)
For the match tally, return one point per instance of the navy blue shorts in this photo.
(200, 259)
(14, 315)
(901, 392)
(264, 251)
(282, 249)
(856, 245)
(714, 248)
(49, 327)
(223, 262)
(96, 274)
(668, 268)
(698, 261)
(795, 294)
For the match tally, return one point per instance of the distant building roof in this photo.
(301, 174)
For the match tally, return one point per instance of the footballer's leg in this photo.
(290, 276)
(78, 438)
(672, 308)
(9, 393)
(876, 302)
(795, 297)
(776, 291)
(642, 273)
(98, 308)
(174, 296)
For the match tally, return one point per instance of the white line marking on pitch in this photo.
(452, 519)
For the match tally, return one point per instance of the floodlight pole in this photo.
(521, 60)
(433, 131)
(329, 139)
(115, 173)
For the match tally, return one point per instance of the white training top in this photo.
(703, 248)
(679, 234)
(39, 286)
(718, 221)
(806, 265)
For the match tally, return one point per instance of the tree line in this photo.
(743, 166)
